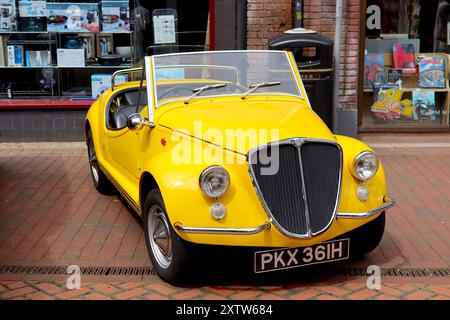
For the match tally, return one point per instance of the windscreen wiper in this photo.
(254, 87)
(198, 91)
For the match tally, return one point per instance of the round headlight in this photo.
(214, 181)
(365, 166)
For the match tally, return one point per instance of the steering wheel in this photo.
(188, 90)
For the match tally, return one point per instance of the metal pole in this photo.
(337, 62)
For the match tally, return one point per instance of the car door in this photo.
(122, 148)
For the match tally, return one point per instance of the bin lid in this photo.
(300, 31)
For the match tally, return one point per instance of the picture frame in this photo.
(104, 44)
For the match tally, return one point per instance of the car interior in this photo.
(123, 105)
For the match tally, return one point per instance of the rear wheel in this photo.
(367, 237)
(101, 182)
(168, 252)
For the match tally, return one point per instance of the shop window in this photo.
(68, 49)
(406, 64)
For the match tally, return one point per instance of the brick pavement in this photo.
(336, 289)
(50, 214)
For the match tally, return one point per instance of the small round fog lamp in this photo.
(218, 211)
(362, 193)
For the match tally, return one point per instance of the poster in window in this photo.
(164, 27)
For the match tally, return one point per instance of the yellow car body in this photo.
(137, 161)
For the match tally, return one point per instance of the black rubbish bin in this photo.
(314, 56)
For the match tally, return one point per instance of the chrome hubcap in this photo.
(94, 172)
(159, 236)
(93, 159)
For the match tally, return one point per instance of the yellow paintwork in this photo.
(127, 155)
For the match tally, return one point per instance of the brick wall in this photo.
(268, 18)
(319, 15)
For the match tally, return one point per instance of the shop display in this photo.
(404, 58)
(424, 105)
(87, 42)
(389, 104)
(32, 15)
(373, 70)
(79, 17)
(102, 82)
(432, 72)
(15, 56)
(3, 50)
(394, 76)
(67, 37)
(116, 16)
(70, 58)
(38, 58)
(8, 15)
(105, 44)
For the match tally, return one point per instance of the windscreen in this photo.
(178, 76)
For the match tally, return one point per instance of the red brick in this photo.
(130, 293)
(385, 297)
(189, 294)
(162, 288)
(14, 284)
(440, 290)
(305, 294)
(220, 290)
(96, 296)
(105, 288)
(130, 285)
(72, 293)
(39, 296)
(362, 295)
(270, 296)
(16, 292)
(49, 288)
(333, 290)
(325, 297)
(418, 295)
(154, 296)
(244, 295)
(213, 297)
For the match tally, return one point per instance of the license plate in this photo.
(279, 259)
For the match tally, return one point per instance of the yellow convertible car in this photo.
(222, 148)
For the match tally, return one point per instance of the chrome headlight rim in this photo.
(208, 171)
(357, 159)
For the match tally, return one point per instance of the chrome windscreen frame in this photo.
(298, 142)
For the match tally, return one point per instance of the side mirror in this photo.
(136, 121)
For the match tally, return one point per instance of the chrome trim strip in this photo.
(225, 231)
(122, 71)
(298, 142)
(363, 215)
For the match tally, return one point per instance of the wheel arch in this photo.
(146, 184)
(87, 127)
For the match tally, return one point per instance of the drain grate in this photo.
(147, 271)
(399, 272)
(86, 270)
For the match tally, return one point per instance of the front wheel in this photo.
(168, 252)
(367, 237)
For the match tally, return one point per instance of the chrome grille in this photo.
(300, 197)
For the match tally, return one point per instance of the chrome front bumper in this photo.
(249, 231)
(237, 231)
(362, 215)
